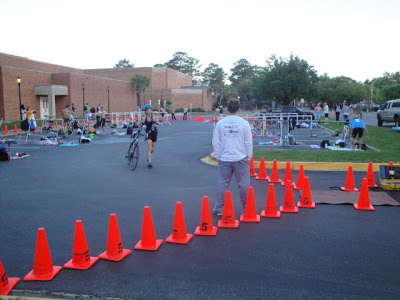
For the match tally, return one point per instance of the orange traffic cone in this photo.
(250, 210)
(349, 185)
(56, 124)
(5, 129)
(274, 178)
(228, 216)
(363, 199)
(370, 176)
(288, 174)
(251, 166)
(262, 171)
(179, 234)
(43, 268)
(300, 179)
(148, 241)
(115, 250)
(211, 119)
(206, 226)
(6, 283)
(81, 258)
(270, 204)
(288, 202)
(15, 128)
(200, 119)
(306, 199)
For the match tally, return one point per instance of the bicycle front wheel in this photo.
(129, 155)
(135, 157)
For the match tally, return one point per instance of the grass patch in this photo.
(384, 139)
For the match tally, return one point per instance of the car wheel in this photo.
(379, 121)
(396, 121)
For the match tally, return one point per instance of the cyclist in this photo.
(151, 131)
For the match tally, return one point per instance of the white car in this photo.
(390, 113)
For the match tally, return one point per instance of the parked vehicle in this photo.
(390, 113)
(295, 110)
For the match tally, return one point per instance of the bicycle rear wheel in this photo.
(129, 155)
(135, 157)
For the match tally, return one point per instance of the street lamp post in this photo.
(83, 96)
(108, 97)
(19, 94)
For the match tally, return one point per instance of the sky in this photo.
(359, 39)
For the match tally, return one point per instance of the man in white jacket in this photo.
(233, 147)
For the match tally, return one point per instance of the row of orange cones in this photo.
(44, 269)
(274, 178)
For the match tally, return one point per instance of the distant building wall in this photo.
(165, 85)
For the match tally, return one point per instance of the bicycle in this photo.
(133, 151)
(346, 133)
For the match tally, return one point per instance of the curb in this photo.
(312, 166)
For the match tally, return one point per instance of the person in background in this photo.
(103, 114)
(233, 147)
(185, 111)
(23, 112)
(317, 112)
(358, 110)
(357, 127)
(173, 113)
(31, 117)
(345, 111)
(73, 108)
(338, 110)
(326, 112)
(86, 112)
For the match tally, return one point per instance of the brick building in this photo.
(48, 88)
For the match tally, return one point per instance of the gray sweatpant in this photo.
(225, 171)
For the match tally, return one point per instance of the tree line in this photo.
(281, 80)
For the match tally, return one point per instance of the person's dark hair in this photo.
(233, 105)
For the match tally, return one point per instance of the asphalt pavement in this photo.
(330, 252)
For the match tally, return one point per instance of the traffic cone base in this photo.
(356, 206)
(153, 247)
(283, 183)
(256, 219)
(223, 224)
(312, 205)
(348, 190)
(184, 241)
(286, 210)
(275, 214)
(122, 255)
(202, 232)
(7, 283)
(275, 181)
(31, 276)
(12, 282)
(88, 265)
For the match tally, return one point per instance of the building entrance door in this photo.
(44, 107)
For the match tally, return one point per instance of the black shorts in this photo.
(357, 131)
(102, 122)
(326, 115)
(152, 135)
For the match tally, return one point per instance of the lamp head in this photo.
(18, 79)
